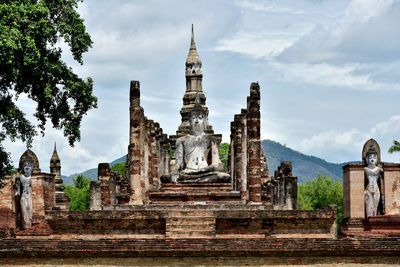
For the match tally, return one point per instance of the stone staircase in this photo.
(190, 224)
(194, 194)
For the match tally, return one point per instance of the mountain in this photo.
(91, 173)
(304, 167)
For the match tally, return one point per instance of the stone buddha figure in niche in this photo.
(197, 157)
(23, 193)
(373, 182)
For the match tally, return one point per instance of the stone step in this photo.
(190, 223)
(190, 234)
(197, 185)
(196, 190)
(190, 214)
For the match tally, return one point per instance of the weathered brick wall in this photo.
(148, 151)
(105, 222)
(392, 188)
(43, 195)
(49, 191)
(7, 210)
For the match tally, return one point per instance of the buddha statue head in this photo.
(372, 156)
(198, 117)
(27, 166)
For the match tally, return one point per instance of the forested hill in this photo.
(304, 167)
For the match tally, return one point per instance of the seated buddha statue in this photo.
(197, 157)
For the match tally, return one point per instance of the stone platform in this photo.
(195, 221)
(195, 193)
(381, 225)
(86, 246)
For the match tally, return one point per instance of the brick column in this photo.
(103, 175)
(238, 153)
(135, 150)
(254, 146)
(391, 174)
(353, 191)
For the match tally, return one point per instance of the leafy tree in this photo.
(81, 181)
(395, 147)
(223, 154)
(79, 193)
(80, 197)
(119, 167)
(319, 193)
(31, 64)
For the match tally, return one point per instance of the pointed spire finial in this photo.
(193, 56)
(192, 43)
(55, 154)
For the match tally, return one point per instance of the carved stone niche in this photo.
(355, 184)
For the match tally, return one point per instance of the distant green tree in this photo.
(119, 167)
(395, 147)
(81, 181)
(80, 198)
(79, 193)
(223, 154)
(319, 193)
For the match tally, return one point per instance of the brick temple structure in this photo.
(146, 213)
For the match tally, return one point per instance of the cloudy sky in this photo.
(328, 71)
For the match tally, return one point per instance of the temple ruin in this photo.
(176, 199)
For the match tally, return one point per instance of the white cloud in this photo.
(268, 7)
(330, 75)
(255, 45)
(342, 146)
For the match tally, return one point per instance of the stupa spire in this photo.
(192, 43)
(193, 56)
(55, 154)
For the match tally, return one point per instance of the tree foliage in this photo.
(223, 154)
(81, 181)
(31, 32)
(395, 147)
(320, 193)
(79, 193)
(119, 167)
(80, 198)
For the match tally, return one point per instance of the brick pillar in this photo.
(104, 178)
(238, 153)
(254, 146)
(135, 148)
(231, 157)
(95, 195)
(353, 191)
(391, 174)
(244, 172)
